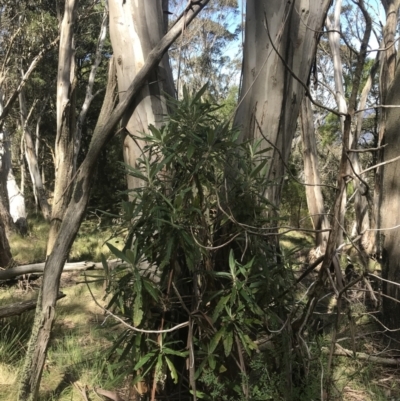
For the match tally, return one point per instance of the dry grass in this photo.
(78, 347)
(89, 244)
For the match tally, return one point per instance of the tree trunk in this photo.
(135, 29)
(44, 317)
(80, 121)
(387, 72)
(12, 202)
(16, 199)
(4, 205)
(5, 252)
(65, 136)
(390, 208)
(31, 158)
(334, 43)
(365, 216)
(314, 196)
(270, 96)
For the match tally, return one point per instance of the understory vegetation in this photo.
(210, 295)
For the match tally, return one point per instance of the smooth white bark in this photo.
(136, 26)
(271, 96)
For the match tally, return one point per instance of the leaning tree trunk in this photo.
(65, 136)
(280, 43)
(135, 28)
(315, 200)
(45, 312)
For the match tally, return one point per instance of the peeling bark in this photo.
(65, 136)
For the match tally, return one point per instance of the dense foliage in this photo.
(198, 251)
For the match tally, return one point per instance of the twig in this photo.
(307, 90)
(177, 327)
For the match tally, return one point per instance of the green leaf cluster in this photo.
(196, 254)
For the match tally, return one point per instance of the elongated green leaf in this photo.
(144, 359)
(151, 290)
(212, 361)
(220, 306)
(159, 166)
(227, 342)
(232, 264)
(190, 151)
(119, 254)
(131, 256)
(170, 351)
(199, 94)
(257, 169)
(137, 311)
(172, 369)
(201, 395)
(215, 340)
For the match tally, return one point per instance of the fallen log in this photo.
(38, 268)
(21, 307)
(340, 351)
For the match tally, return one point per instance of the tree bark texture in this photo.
(390, 208)
(270, 96)
(5, 252)
(45, 311)
(135, 29)
(387, 73)
(315, 200)
(65, 135)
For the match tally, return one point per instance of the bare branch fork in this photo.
(24, 80)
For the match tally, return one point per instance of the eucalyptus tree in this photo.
(135, 29)
(387, 182)
(209, 51)
(279, 48)
(315, 200)
(348, 105)
(70, 114)
(108, 119)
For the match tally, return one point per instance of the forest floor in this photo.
(77, 364)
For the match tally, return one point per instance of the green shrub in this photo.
(200, 254)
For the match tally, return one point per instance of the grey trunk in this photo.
(315, 200)
(270, 96)
(135, 29)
